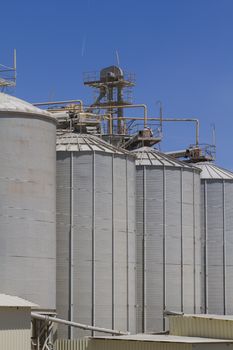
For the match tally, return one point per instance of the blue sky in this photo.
(180, 50)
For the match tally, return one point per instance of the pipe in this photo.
(59, 103)
(125, 106)
(196, 121)
(75, 324)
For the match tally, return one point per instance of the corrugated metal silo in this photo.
(217, 238)
(27, 202)
(168, 238)
(95, 234)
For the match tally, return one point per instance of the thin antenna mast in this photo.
(118, 59)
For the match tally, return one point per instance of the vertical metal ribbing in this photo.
(127, 243)
(144, 252)
(205, 251)
(224, 248)
(93, 242)
(113, 249)
(71, 248)
(164, 244)
(181, 243)
(194, 246)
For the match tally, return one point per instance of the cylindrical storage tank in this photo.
(95, 234)
(217, 239)
(168, 238)
(27, 202)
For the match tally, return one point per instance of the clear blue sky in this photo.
(180, 50)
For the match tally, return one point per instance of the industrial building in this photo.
(15, 323)
(107, 234)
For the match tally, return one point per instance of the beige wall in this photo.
(15, 328)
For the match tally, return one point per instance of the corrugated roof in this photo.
(10, 103)
(164, 338)
(70, 141)
(212, 171)
(14, 301)
(199, 325)
(208, 316)
(151, 156)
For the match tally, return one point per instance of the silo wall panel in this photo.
(63, 233)
(83, 167)
(139, 248)
(154, 299)
(188, 242)
(228, 245)
(27, 207)
(173, 240)
(120, 242)
(198, 243)
(103, 240)
(131, 204)
(203, 248)
(214, 250)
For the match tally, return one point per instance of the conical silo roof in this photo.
(211, 171)
(75, 142)
(11, 104)
(151, 156)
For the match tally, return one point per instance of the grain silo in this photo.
(168, 238)
(95, 234)
(217, 238)
(27, 202)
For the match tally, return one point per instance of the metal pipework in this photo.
(76, 325)
(125, 106)
(193, 120)
(59, 103)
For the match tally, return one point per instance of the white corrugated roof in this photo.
(212, 171)
(165, 338)
(70, 141)
(13, 301)
(10, 103)
(208, 316)
(151, 156)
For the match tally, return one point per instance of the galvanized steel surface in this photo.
(143, 341)
(168, 239)
(212, 171)
(96, 216)
(13, 301)
(76, 344)
(217, 240)
(19, 339)
(11, 104)
(208, 326)
(98, 344)
(15, 328)
(27, 205)
(69, 141)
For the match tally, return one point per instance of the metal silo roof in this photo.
(212, 171)
(151, 156)
(70, 141)
(14, 301)
(10, 103)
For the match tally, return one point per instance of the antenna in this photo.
(8, 74)
(214, 139)
(118, 59)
